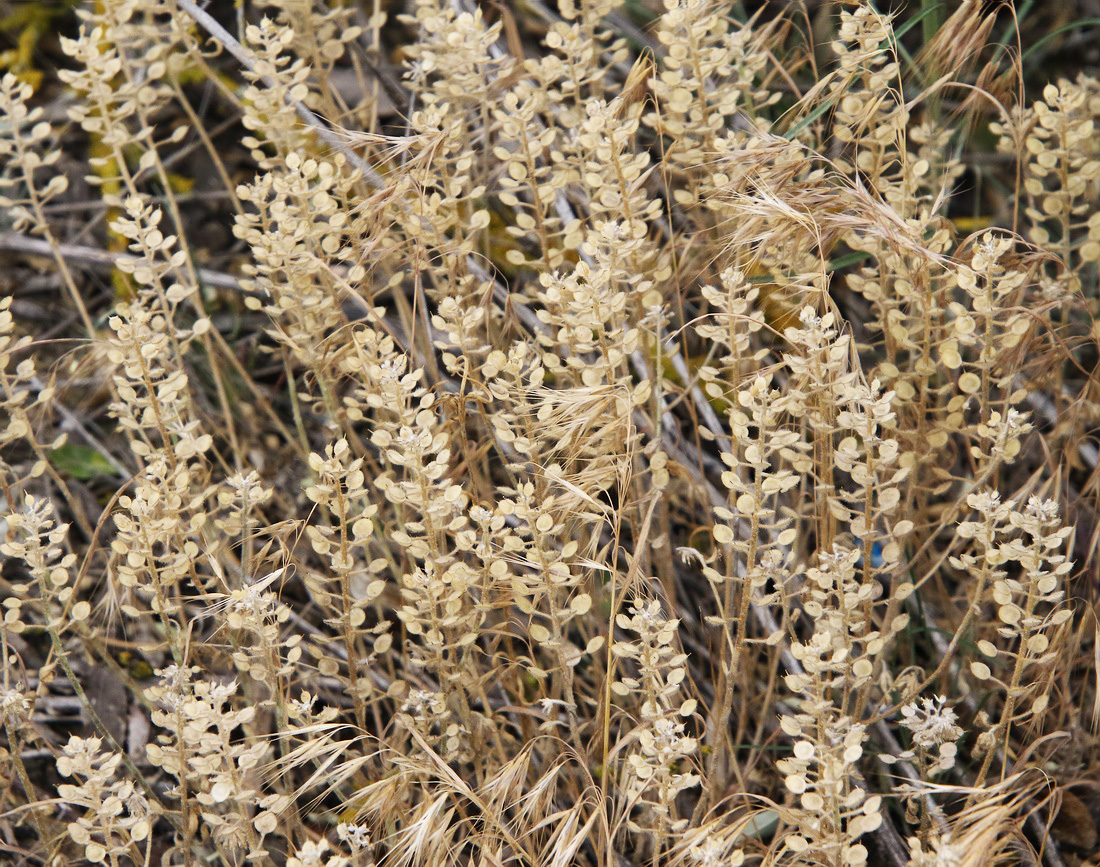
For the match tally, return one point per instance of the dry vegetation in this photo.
(547, 435)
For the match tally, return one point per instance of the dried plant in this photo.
(510, 435)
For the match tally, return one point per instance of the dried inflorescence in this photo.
(394, 513)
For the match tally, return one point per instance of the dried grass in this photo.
(607, 456)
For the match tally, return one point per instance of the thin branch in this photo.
(101, 260)
(226, 40)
